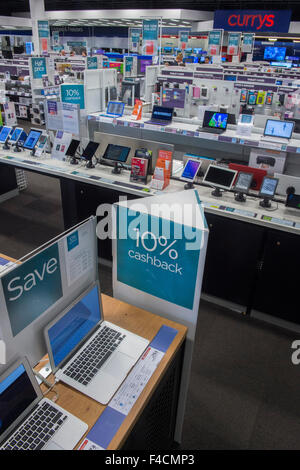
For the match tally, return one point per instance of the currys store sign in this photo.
(277, 21)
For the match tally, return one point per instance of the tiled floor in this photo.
(244, 389)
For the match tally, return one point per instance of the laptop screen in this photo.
(16, 395)
(161, 113)
(215, 120)
(283, 129)
(70, 329)
(115, 107)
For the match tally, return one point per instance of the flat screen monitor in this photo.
(274, 53)
(214, 120)
(258, 174)
(116, 153)
(32, 139)
(282, 129)
(90, 150)
(16, 135)
(173, 97)
(71, 150)
(219, 177)
(5, 133)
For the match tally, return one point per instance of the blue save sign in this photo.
(73, 94)
(38, 65)
(155, 262)
(32, 287)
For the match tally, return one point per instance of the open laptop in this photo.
(214, 122)
(278, 132)
(89, 354)
(114, 109)
(28, 421)
(161, 116)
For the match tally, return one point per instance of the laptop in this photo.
(89, 354)
(214, 122)
(161, 116)
(114, 109)
(28, 421)
(278, 132)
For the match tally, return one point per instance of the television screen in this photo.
(274, 53)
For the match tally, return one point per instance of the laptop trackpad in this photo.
(52, 446)
(119, 365)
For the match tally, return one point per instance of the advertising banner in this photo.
(277, 21)
(214, 42)
(73, 93)
(38, 66)
(91, 63)
(233, 43)
(159, 250)
(43, 29)
(248, 42)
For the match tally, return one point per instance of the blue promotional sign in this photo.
(214, 38)
(155, 262)
(277, 21)
(29, 48)
(135, 35)
(73, 94)
(184, 36)
(43, 29)
(32, 287)
(92, 63)
(39, 68)
(150, 30)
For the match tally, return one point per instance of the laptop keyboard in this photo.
(84, 368)
(37, 430)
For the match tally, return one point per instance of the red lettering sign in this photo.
(254, 20)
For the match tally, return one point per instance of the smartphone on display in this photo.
(41, 146)
(251, 98)
(269, 98)
(243, 97)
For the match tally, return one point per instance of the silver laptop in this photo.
(89, 354)
(278, 132)
(30, 422)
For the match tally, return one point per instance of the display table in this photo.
(142, 424)
(250, 252)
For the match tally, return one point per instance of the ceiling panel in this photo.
(7, 8)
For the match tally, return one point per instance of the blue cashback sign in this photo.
(154, 262)
(31, 288)
(39, 68)
(73, 94)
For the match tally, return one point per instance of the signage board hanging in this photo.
(277, 21)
